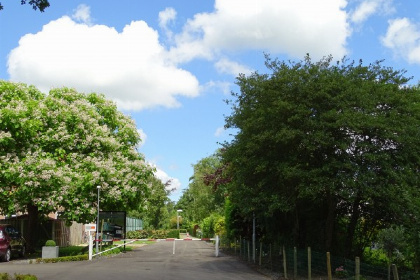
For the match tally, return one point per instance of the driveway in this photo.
(192, 260)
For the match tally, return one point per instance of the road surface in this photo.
(192, 260)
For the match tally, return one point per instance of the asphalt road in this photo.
(192, 260)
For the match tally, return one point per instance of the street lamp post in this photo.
(177, 218)
(97, 222)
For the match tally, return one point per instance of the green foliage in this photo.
(202, 198)
(6, 276)
(59, 147)
(36, 4)
(213, 225)
(341, 272)
(375, 256)
(73, 250)
(137, 234)
(393, 242)
(174, 233)
(321, 141)
(50, 243)
(153, 234)
(63, 259)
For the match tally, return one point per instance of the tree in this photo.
(202, 198)
(36, 4)
(154, 211)
(56, 148)
(321, 141)
(392, 241)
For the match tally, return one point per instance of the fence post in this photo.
(217, 245)
(271, 259)
(284, 263)
(357, 272)
(395, 272)
(261, 246)
(249, 252)
(329, 266)
(90, 246)
(240, 246)
(309, 264)
(294, 263)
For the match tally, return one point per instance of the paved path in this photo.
(192, 260)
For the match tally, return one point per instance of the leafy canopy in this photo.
(56, 149)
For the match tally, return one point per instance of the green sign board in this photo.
(112, 225)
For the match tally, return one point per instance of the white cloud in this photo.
(219, 131)
(164, 177)
(217, 86)
(143, 136)
(165, 17)
(227, 66)
(278, 26)
(82, 14)
(129, 67)
(370, 7)
(403, 38)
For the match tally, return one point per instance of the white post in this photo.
(217, 245)
(97, 222)
(173, 248)
(90, 246)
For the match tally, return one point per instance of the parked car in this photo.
(11, 243)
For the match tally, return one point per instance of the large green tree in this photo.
(202, 197)
(56, 149)
(324, 147)
(154, 211)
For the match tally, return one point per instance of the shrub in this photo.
(340, 272)
(50, 243)
(5, 276)
(173, 233)
(137, 234)
(25, 277)
(63, 259)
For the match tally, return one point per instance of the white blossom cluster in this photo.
(56, 148)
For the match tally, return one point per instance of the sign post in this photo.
(89, 228)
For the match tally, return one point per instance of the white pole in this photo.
(173, 249)
(97, 223)
(90, 246)
(217, 245)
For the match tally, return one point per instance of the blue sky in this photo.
(170, 64)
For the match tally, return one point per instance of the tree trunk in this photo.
(329, 226)
(32, 233)
(351, 228)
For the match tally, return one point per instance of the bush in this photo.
(25, 277)
(173, 233)
(50, 243)
(137, 234)
(5, 276)
(63, 259)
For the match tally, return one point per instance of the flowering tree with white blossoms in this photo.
(56, 149)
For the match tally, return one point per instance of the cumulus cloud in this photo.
(219, 131)
(137, 71)
(403, 38)
(143, 136)
(278, 26)
(129, 67)
(227, 66)
(165, 17)
(368, 8)
(82, 14)
(174, 185)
